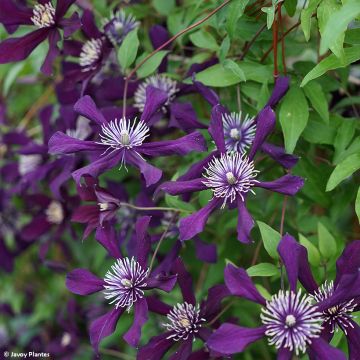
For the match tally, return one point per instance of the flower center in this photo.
(230, 176)
(338, 316)
(104, 206)
(118, 27)
(184, 320)
(239, 133)
(43, 15)
(55, 213)
(124, 138)
(291, 321)
(90, 54)
(125, 282)
(160, 82)
(28, 163)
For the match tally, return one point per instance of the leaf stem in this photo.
(153, 208)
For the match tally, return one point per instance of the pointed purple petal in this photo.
(230, 339)
(87, 108)
(349, 261)
(142, 240)
(53, 52)
(212, 306)
(181, 187)
(287, 184)
(284, 354)
(197, 169)
(185, 282)
(182, 146)
(156, 348)
(36, 228)
(240, 284)
(353, 339)
(208, 94)
(151, 174)
(88, 25)
(61, 143)
(162, 282)
(280, 89)
(278, 153)
(83, 282)
(295, 258)
(245, 223)
(204, 251)
(183, 116)
(265, 124)
(195, 223)
(11, 14)
(17, 49)
(216, 129)
(62, 7)
(132, 336)
(106, 236)
(155, 100)
(104, 326)
(323, 351)
(183, 351)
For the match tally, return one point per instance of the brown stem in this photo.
(283, 58)
(248, 44)
(283, 211)
(275, 31)
(136, 68)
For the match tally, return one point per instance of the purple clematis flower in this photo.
(124, 286)
(185, 322)
(231, 176)
(122, 141)
(337, 299)
(47, 18)
(289, 321)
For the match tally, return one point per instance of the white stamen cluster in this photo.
(291, 321)
(231, 175)
(239, 133)
(90, 54)
(338, 316)
(43, 15)
(28, 163)
(184, 320)
(55, 213)
(158, 81)
(82, 130)
(125, 282)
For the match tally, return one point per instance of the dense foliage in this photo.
(179, 179)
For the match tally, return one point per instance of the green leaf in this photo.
(270, 15)
(357, 204)
(343, 170)
(315, 94)
(235, 11)
(263, 269)
(12, 75)
(290, 6)
(293, 115)
(224, 48)
(164, 7)
(305, 17)
(151, 65)
(128, 49)
(351, 54)
(263, 291)
(327, 243)
(313, 252)
(338, 23)
(324, 14)
(271, 239)
(344, 135)
(205, 40)
(175, 202)
(205, 196)
(235, 68)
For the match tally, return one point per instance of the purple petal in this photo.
(240, 284)
(104, 326)
(62, 7)
(158, 36)
(87, 108)
(353, 339)
(195, 223)
(36, 228)
(88, 25)
(265, 124)
(287, 184)
(349, 261)
(181, 187)
(66, 165)
(155, 100)
(183, 116)
(61, 143)
(183, 351)
(323, 351)
(284, 354)
(12, 15)
(208, 94)
(216, 129)
(142, 240)
(295, 258)
(106, 236)
(182, 146)
(280, 89)
(197, 169)
(212, 306)
(204, 251)
(185, 282)
(162, 282)
(17, 49)
(53, 52)
(278, 153)
(70, 25)
(157, 306)
(156, 348)
(151, 174)
(230, 339)
(83, 282)
(98, 167)
(245, 223)
(133, 335)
